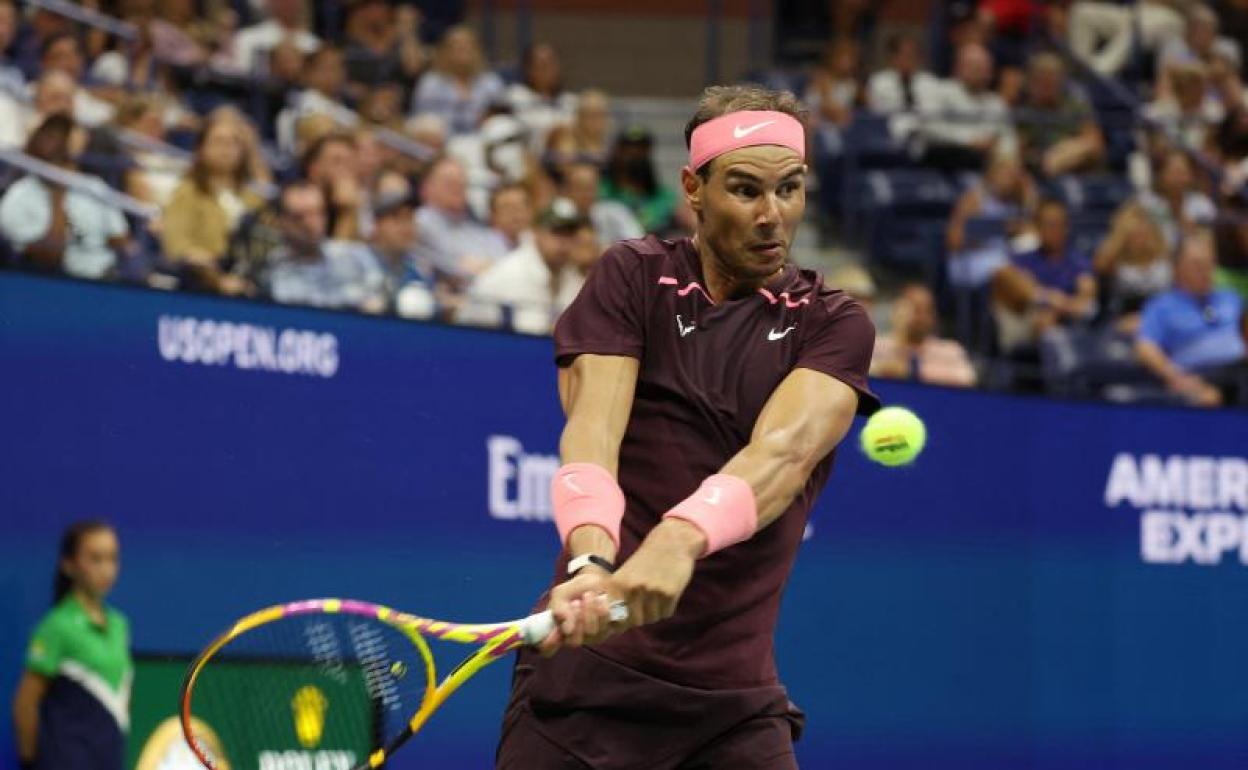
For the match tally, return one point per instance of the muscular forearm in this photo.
(775, 473)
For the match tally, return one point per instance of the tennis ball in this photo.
(893, 436)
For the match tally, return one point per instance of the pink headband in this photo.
(745, 129)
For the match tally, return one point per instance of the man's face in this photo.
(327, 73)
(95, 566)
(64, 56)
(55, 94)
(581, 186)
(584, 249)
(446, 188)
(303, 217)
(1053, 228)
(554, 246)
(592, 116)
(544, 70)
(395, 232)
(461, 52)
(749, 209)
(974, 68)
(1195, 268)
(906, 59)
(1045, 86)
(512, 214)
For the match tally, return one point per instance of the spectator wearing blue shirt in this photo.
(1192, 336)
(1048, 286)
(458, 246)
(410, 283)
(458, 88)
(309, 270)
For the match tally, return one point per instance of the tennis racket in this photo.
(331, 684)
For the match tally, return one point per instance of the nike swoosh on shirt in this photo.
(740, 132)
(773, 335)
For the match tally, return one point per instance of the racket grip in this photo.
(538, 626)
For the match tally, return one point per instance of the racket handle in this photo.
(538, 626)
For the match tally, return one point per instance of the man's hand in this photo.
(1194, 389)
(581, 608)
(652, 581)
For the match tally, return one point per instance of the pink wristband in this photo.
(723, 508)
(584, 493)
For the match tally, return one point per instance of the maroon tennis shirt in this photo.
(706, 371)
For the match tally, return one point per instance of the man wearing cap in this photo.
(706, 382)
(528, 289)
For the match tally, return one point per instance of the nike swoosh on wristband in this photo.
(740, 132)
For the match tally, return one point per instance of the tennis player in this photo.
(706, 382)
(72, 706)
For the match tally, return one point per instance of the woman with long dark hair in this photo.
(72, 707)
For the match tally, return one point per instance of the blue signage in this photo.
(1052, 584)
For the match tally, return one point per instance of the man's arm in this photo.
(803, 420)
(1189, 386)
(597, 397)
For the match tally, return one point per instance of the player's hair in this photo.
(71, 541)
(721, 100)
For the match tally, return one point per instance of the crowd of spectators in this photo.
(1082, 170)
(351, 161)
(1082, 166)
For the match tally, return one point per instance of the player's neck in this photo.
(719, 283)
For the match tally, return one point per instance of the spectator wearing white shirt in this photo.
(534, 283)
(251, 45)
(899, 88)
(59, 229)
(964, 120)
(540, 101)
(612, 220)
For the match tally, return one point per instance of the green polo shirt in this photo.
(68, 643)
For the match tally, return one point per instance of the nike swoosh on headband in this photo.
(739, 132)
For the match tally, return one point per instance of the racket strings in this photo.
(326, 688)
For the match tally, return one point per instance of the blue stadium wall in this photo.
(1053, 585)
